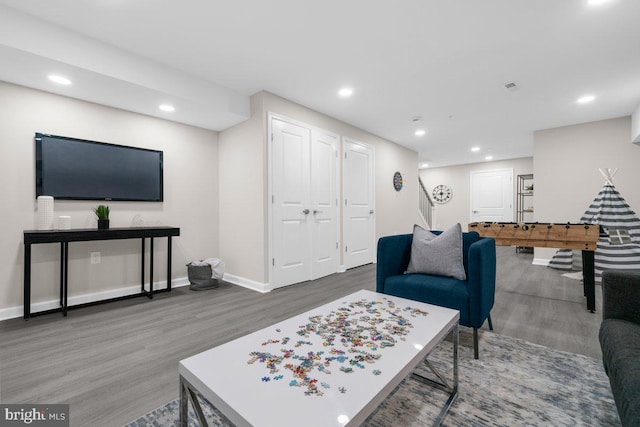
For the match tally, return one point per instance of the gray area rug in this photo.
(514, 383)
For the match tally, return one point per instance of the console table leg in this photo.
(169, 264)
(151, 268)
(61, 273)
(66, 278)
(142, 267)
(27, 281)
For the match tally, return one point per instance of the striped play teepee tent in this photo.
(619, 244)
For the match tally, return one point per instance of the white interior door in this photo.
(291, 237)
(305, 230)
(492, 195)
(324, 204)
(359, 203)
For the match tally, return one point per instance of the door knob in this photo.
(315, 211)
(371, 212)
(306, 211)
(476, 211)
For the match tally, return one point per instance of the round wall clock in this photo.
(442, 193)
(397, 181)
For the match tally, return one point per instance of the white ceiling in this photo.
(444, 60)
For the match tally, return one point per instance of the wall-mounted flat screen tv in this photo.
(77, 169)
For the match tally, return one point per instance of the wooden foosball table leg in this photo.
(588, 277)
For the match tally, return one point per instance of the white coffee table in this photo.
(369, 342)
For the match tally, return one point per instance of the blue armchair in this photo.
(473, 297)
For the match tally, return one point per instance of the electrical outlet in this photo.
(95, 257)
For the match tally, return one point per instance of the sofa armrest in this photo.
(482, 279)
(621, 295)
(393, 257)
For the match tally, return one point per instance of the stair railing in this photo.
(425, 204)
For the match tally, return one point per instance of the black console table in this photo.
(82, 235)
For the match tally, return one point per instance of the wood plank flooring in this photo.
(117, 361)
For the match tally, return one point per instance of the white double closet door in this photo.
(304, 203)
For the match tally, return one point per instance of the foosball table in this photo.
(548, 235)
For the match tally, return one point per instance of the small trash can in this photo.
(201, 276)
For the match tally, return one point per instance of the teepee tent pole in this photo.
(608, 174)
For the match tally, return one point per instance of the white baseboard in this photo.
(247, 283)
(18, 311)
(343, 268)
(541, 261)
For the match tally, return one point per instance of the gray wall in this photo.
(566, 162)
(458, 209)
(190, 196)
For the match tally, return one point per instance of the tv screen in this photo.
(76, 169)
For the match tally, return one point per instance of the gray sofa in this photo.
(620, 340)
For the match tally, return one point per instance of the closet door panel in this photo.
(291, 215)
(324, 199)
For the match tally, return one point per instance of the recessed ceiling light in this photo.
(60, 80)
(424, 165)
(597, 2)
(475, 149)
(345, 92)
(586, 99)
(420, 132)
(166, 107)
(488, 158)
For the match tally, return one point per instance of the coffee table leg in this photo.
(456, 339)
(443, 385)
(183, 419)
(454, 388)
(187, 391)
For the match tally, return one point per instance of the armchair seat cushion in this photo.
(438, 290)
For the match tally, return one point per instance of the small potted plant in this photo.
(102, 212)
